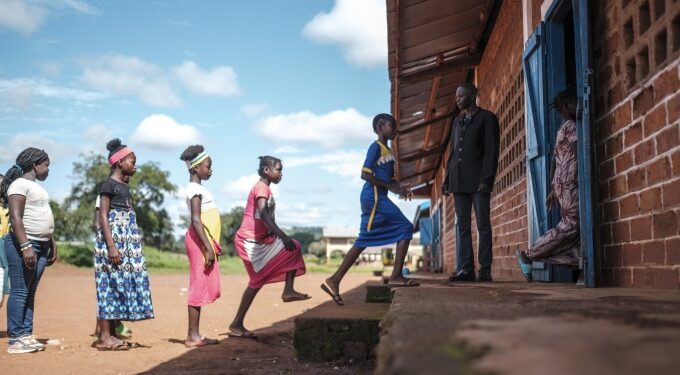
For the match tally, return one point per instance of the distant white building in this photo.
(341, 239)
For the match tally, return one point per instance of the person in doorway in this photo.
(560, 245)
(382, 222)
(470, 175)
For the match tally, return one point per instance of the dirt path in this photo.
(66, 311)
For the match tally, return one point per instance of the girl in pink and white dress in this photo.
(268, 254)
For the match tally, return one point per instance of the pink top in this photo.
(252, 227)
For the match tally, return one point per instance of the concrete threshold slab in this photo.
(520, 328)
(330, 332)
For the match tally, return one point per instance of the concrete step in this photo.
(330, 332)
(509, 328)
(378, 293)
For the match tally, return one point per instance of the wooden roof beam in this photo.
(419, 125)
(463, 62)
(421, 154)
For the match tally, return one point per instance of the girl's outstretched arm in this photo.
(197, 224)
(393, 186)
(269, 221)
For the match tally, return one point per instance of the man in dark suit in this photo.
(471, 172)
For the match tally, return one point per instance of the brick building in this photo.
(621, 56)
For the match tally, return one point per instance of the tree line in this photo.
(148, 187)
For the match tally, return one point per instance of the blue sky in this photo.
(299, 80)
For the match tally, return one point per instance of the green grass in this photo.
(159, 261)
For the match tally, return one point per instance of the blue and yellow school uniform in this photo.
(382, 222)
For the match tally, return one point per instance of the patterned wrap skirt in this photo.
(122, 290)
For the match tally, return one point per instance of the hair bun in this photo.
(113, 144)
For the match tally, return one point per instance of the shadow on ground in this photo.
(271, 353)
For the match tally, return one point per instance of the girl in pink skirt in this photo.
(201, 242)
(268, 254)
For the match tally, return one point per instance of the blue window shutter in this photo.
(538, 163)
(425, 226)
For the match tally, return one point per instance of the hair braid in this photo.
(24, 163)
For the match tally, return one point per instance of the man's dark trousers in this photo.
(464, 256)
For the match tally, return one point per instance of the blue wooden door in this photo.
(587, 174)
(436, 240)
(538, 163)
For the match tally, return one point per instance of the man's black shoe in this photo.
(484, 276)
(462, 276)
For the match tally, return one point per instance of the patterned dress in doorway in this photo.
(561, 245)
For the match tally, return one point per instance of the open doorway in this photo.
(553, 61)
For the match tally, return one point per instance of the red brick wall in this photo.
(637, 109)
(500, 87)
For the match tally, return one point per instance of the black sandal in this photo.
(336, 296)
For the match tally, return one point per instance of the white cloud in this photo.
(98, 133)
(346, 164)
(287, 150)
(10, 148)
(22, 16)
(163, 132)
(236, 191)
(254, 110)
(358, 26)
(329, 130)
(287, 213)
(220, 81)
(19, 92)
(50, 68)
(130, 75)
(290, 214)
(27, 16)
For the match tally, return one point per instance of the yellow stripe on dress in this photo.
(367, 170)
(213, 225)
(375, 205)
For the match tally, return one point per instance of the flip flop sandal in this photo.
(409, 283)
(115, 347)
(525, 267)
(335, 296)
(123, 332)
(243, 335)
(302, 297)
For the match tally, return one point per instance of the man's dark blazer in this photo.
(473, 156)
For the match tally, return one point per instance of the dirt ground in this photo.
(65, 310)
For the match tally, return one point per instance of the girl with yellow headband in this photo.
(201, 242)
